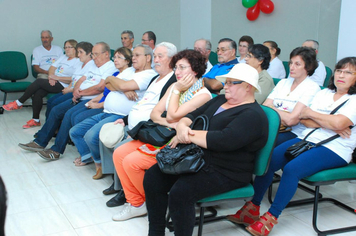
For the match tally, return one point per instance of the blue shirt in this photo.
(106, 90)
(220, 69)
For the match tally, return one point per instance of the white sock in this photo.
(37, 120)
(19, 103)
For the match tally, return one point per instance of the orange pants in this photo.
(130, 166)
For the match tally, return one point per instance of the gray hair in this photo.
(148, 49)
(105, 47)
(171, 48)
(207, 43)
(129, 32)
(47, 31)
(315, 43)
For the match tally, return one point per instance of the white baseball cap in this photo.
(244, 73)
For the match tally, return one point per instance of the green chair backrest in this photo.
(13, 65)
(112, 54)
(264, 154)
(286, 67)
(329, 73)
(276, 80)
(213, 58)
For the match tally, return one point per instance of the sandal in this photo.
(78, 162)
(247, 215)
(263, 226)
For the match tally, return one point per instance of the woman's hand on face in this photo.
(185, 83)
(346, 133)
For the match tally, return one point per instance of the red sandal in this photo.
(263, 226)
(247, 215)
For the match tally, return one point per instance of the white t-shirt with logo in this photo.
(285, 100)
(95, 75)
(141, 111)
(45, 58)
(324, 103)
(80, 71)
(65, 67)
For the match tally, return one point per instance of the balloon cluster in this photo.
(254, 7)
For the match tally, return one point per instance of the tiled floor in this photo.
(57, 198)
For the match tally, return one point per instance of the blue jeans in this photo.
(85, 135)
(56, 100)
(306, 164)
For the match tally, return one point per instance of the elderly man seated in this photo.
(141, 111)
(227, 59)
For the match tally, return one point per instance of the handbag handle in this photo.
(205, 120)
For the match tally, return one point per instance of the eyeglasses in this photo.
(180, 67)
(222, 50)
(68, 47)
(113, 58)
(229, 83)
(346, 72)
(93, 55)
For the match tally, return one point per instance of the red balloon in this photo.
(253, 12)
(266, 6)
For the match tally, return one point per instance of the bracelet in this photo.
(175, 91)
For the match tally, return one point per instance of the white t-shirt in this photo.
(44, 58)
(241, 60)
(95, 75)
(276, 69)
(285, 100)
(208, 67)
(324, 103)
(65, 67)
(141, 111)
(116, 102)
(80, 71)
(319, 74)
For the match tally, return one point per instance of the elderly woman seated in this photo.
(238, 129)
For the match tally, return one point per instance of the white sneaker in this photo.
(130, 211)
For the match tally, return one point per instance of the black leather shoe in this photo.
(110, 190)
(118, 200)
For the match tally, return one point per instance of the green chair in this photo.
(261, 166)
(13, 67)
(329, 73)
(112, 51)
(213, 58)
(286, 67)
(276, 80)
(325, 177)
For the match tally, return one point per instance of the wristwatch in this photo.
(175, 91)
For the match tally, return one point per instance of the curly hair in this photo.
(309, 57)
(195, 59)
(347, 61)
(127, 53)
(261, 53)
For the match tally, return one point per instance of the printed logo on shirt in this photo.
(60, 69)
(50, 60)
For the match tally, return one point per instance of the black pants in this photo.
(184, 191)
(38, 90)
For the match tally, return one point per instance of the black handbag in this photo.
(185, 158)
(152, 133)
(303, 145)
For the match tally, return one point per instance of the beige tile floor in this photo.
(57, 198)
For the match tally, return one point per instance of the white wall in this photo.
(347, 30)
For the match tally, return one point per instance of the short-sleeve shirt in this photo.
(285, 100)
(220, 69)
(82, 70)
(65, 67)
(276, 69)
(95, 75)
(45, 58)
(324, 103)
